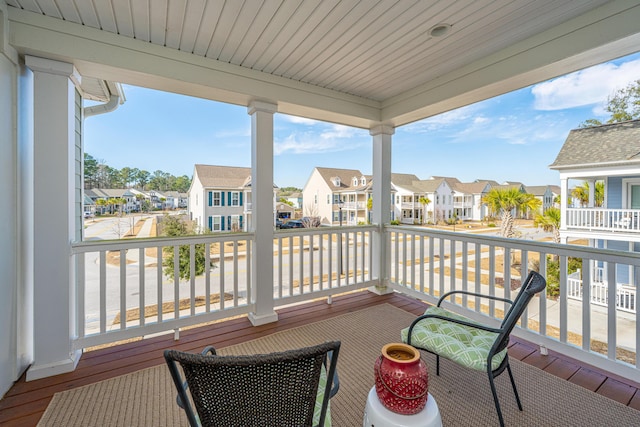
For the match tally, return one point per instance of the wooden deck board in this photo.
(25, 402)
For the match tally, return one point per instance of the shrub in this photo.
(553, 272)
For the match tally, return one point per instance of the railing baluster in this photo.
(612, 336)
(159, 283)
(586, 302)
(176, 281)
(123, 289)
(207, 279)
(192, 279)
(141, 286)
(103, 291)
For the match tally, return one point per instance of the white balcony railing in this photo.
(625, 294)
(354, 205)
(126, 277)
(122, 279)
(599, 219)
(426, 264)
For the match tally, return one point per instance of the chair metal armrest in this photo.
(452, 320)
(474, 294)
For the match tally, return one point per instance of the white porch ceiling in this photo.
(353, 62)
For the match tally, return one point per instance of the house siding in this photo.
(614, 192)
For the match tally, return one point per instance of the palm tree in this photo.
(581, 193)
(424, 201)
(549, 221)
(504, 201)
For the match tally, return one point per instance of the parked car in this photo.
(88, 214)
(293, 223)
(279, 223)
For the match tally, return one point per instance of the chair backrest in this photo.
(264, 389)
(533, 284)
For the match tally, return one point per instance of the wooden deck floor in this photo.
(25, 403)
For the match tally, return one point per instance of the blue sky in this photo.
(513, 137)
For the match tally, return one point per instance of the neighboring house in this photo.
(439, 190)
(220, 198)
(175, 200)
(608, 153)
(406, 204)
(544, 193)
(106, 194)
(89, 206)
(284, 211)
(467, 200)
(337, 194)
(296, 199)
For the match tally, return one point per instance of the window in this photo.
(235, 223)
(215, 226)
(235, 198)
(437, 199)
(217, 198)
(397, 199)
(328, 199)
(315, 199)
(354, 181)
(363, 181)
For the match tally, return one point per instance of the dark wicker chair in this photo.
(290, 388)
(469, 343)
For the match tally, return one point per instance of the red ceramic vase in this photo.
(402, 379)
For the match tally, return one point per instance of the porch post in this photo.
(262, 211)
(54, 138)
(592, 193)
(381, 210)
(564, 202)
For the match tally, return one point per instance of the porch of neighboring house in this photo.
(25, 403)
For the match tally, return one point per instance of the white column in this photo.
(381, 211)
(54, 157)
(592, 193)
(564, 201)
(262, 211)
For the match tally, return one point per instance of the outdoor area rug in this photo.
(147, 397)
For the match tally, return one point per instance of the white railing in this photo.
(625, 295)
(426, 263)
(354, 205)
(124, 290)
(315, 262)
(599, 219)
(127, 277)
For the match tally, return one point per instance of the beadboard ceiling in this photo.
(378, 51)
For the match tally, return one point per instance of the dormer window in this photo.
(354, 182)
(363, 181)
(336, 181)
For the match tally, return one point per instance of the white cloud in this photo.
(340, 131)
(449, 118)
(301, 120)
(307, 143)
(587, 87)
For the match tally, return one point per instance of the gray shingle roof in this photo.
(346, 176)
(222, 176)
(613, 143)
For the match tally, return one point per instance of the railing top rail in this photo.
(152, 242)
(610, 255)
(325, 230)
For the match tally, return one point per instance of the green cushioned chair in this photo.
(469, 343)
(287, 388)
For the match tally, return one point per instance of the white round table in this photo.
(376, 415)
